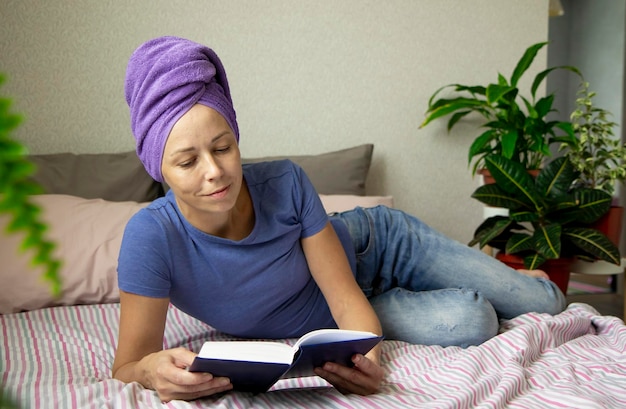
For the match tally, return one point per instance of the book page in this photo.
(253, 351)
(322, 336)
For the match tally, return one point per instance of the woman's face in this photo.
(202, 164)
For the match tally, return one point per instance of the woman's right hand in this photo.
(166, 373)
(140, 357)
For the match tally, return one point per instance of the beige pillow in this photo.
(340, 203)
(88, 234)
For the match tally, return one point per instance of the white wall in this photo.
(306, 77)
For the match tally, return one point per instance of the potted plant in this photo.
(598, 156)
(15, 189)
(516, 127)
(548, 217)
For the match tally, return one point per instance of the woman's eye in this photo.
(186, 164)
(222, 150)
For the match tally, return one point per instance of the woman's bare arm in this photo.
(350, 309)
(140, 356)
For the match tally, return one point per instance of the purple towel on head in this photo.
(165, 77)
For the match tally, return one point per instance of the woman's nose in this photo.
(211, 168)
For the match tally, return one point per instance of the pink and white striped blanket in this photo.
(61, 358)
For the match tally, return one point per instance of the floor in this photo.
(607, 303)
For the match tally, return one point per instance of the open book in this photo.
(255, 366)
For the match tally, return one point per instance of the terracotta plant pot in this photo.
(611, 224)
(557, 269)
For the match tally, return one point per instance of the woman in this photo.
(250, 250)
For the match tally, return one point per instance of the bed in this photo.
(58, 352)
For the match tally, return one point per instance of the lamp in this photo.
(556, 8)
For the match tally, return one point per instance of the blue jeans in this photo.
(429, 289)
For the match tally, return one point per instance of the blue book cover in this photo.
(255, 366)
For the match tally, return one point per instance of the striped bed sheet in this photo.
(61, 358)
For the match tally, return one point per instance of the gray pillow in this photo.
(116, 177)
(342, 172)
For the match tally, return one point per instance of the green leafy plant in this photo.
(516, 127)
(15, 189)
(596, 153)
(548, 217)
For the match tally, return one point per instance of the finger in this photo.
(335, 380)
(190, 392)
(216, 385)
(183, 357)
(364, 365)
(349, 380)
(172, 380)
(342, 382)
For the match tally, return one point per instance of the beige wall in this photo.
(306, 77)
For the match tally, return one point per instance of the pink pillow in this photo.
(88, 234)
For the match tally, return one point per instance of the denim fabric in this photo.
(429, 289)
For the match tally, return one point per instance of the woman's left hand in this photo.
(364, 378)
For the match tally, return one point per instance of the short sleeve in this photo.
(312, 212)
(142, 267)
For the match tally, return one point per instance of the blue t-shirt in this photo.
(258, 287)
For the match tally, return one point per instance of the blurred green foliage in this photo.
(16, 187)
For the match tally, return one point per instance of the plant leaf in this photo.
(593, 242)
(432, 97)
(520, 242)
(556, 178)
(489, 229)
(513, 178)
(455, 118)
(509, 142)
(482, 144)
(543, 74)
(544, 105)
(534, 261)
(525, 62)
(472, 89)
(548, 240)
(592, 204)
(525, 216)
(447, 106)
(495, 92)
(568, 128)
(493, 195)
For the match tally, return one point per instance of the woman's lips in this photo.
(218, 194)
